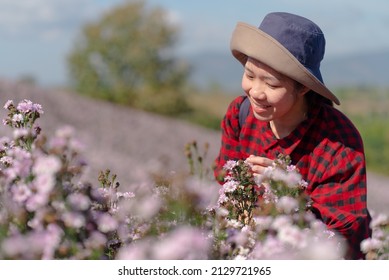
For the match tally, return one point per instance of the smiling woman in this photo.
(292, 114)
(274, 97)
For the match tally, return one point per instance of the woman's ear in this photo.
(304, 90)
(301, 89)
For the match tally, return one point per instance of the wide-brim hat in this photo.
(290, 44)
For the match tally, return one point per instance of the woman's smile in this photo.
(259, 107)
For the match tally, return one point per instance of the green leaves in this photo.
(127, 57)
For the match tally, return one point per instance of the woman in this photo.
(291, 113)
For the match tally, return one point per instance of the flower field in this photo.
(48, 210)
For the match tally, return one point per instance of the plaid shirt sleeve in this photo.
(337, 176)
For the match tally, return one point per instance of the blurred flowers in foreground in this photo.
(377, 247)
(48, 212)
(268, 217)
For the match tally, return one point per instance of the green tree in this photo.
(127, 57)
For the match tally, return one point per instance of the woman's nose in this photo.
(257, 91)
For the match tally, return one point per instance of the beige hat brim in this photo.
(249, 41)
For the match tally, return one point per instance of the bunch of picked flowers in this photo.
(243, 191)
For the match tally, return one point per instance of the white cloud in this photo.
(44, 19)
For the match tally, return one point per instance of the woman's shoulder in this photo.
(235, 104)
(339, 127)
(237, 101)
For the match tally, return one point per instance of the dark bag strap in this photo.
(244, 111)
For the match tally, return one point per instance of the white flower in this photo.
(47, 165)
(222, 198)
(378, 220)
(20, 133)
(106, 223)
(17, 118)
(322, 248)
(183, 243)
(20, 192)
(370, 244)
(125, 195)
(79, 201)
(36, 201)
(293, 179)
(292, 235)
(287, 204)
(7, 160)
(222, 212)
(281, 221)
(230, 186)
(230, 164)
(44, 183)
(263, 222)
(73, 219)
(8, 104)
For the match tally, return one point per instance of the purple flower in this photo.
(26, 106)
(230, 164)
(106, 223)
(20, 193)
(8, 104)
(183, 243)
(230, 186)
(74, 219)
(79, 201)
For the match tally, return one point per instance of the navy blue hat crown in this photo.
(300, 36)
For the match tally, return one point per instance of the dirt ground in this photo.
(132, 143)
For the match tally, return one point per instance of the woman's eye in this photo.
(249, 76)
(272, 86)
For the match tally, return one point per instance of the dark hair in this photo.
(315, 98)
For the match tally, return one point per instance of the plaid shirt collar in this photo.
(269, 140)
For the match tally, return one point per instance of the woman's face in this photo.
(272, 95)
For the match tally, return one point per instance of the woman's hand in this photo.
(259, 163)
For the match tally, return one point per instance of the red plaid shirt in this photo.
(328, 151)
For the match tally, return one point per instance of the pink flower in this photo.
(17, 118)
(95, 240)
(183, 243)
(73, 219)
(287, 204)
(8, 104)
(26, 106)
(229, 165)
(371, 244)
(292, 235)
(36, 201)
(106, 223)
(47, 165)
(44, 183)
(79, 201)
(20, 193)
(378, 220)
(230, 186)
(135, 251)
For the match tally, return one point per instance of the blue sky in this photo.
(36, 35)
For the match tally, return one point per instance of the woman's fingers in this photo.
(259, 164)
(263, 161)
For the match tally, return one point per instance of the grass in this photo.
(368, 108)
(208, 108)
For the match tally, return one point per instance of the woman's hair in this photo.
(313, 97)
